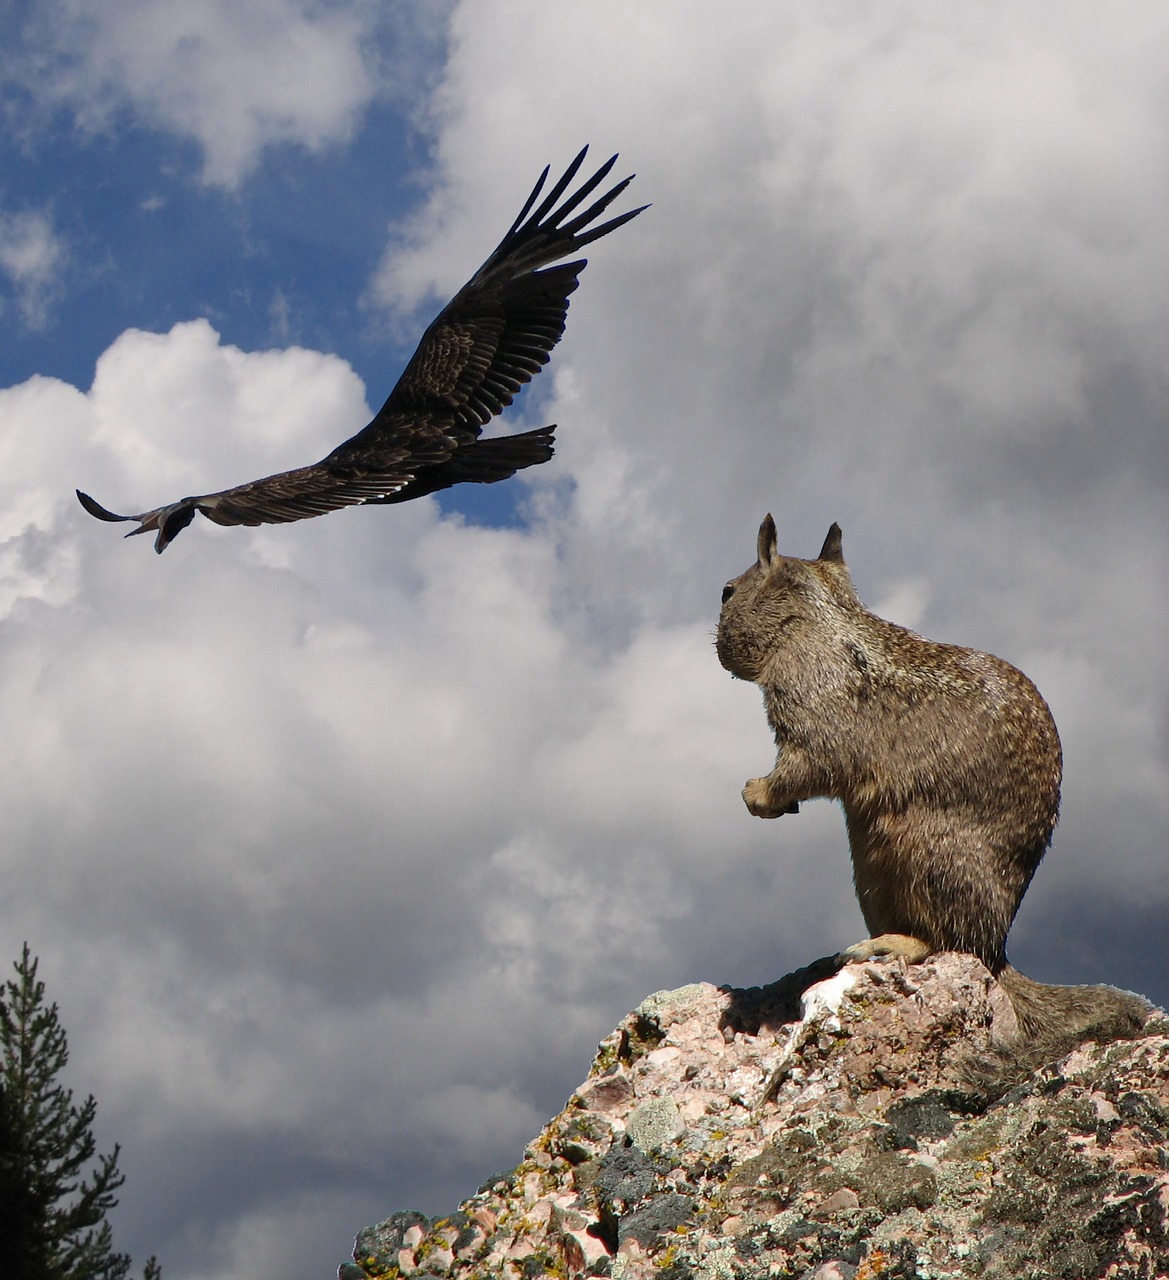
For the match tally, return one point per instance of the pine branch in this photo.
(53, 1197)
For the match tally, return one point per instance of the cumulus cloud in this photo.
(346, 831)
(378, 761)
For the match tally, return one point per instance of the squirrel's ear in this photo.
(833, 548)
(766, 546)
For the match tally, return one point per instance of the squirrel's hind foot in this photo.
(897, 945)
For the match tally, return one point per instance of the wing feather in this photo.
(499, 330)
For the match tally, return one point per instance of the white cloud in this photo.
(275, 408)
(233, 78)
(32, 256)
(893, 251)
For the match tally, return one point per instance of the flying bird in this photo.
(493, 336)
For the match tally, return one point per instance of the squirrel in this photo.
(948, 765)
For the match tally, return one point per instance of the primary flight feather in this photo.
(493, 336)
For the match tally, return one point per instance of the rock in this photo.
(377, 1249)
(821, 1128)
(655, 1123)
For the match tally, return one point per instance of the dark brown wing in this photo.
(497, 332)
(485, 344)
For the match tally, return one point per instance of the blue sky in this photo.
(343, 843)
(281, 253)
(149, 244)
(284, 255)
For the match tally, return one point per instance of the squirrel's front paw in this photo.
(757, 798)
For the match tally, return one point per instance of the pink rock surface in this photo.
(823, 1129)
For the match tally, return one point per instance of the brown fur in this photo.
(946, 760)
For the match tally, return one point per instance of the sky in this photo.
(342, 843)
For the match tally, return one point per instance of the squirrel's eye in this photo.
(728, 591)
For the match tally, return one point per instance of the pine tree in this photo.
(52, 1205)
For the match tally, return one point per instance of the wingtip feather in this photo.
(96, 510)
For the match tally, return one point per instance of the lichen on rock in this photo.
(820, 1128)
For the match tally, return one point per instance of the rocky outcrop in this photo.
(821, 1128)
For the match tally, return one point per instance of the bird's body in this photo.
(493, 336)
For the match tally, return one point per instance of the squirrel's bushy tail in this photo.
(1056, 1015)
(1052, 1021)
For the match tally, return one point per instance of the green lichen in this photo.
(981, 1138)
(607, 1057)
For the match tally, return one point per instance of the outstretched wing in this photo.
(493, 336)
(496, 333)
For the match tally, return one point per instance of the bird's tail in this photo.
(481, 462)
